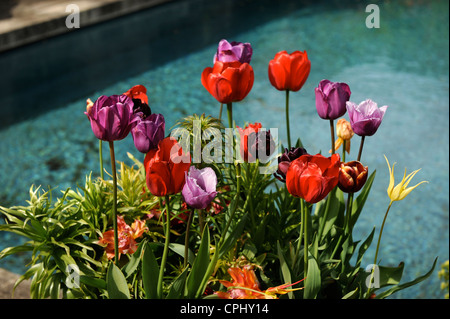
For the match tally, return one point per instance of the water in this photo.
(46, 138)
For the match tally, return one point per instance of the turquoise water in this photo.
(403, 64)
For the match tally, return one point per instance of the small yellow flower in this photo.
(344, 133)
(400, 191)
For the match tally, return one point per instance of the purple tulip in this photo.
(331, 98)
(200, 187)
(234, 51)
(148, 132)
(285, 160)
(366, 117)
(112, 117)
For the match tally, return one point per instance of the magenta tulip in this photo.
(233, 51)
(200, 187)
(148, 132)
(112, 117)
(331, 98)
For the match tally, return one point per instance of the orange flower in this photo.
(126, 237)
(245, 285)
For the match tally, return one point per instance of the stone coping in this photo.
(26, 21)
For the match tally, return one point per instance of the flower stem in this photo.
(220, 112)
(333, 150)
(378, 248)
(361, 148)
(343, 150)
(186, 238)
(230, 114)
(349, 213)
(100, 153)
(166, 249)
(305, 236)
(113, 169)
(287, 120)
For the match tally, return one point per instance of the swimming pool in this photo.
(46, 138)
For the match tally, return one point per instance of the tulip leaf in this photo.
(176, 290)
(199, 266)
(359, 202)
(284, 269)
(313, 280)
(150, 273)
(116, 283)
(407, 284)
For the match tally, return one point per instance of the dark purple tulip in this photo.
(234, 51)
(112, 117)
(200, 187)
(331, 98)
(148, 132)
(285, 160)
(366, 117)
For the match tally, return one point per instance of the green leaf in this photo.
(313, 280)
(179, 249)
(359, 202)
(284, 269)
(93, 282)
(408, 284)
(116, 283)
(150, 273)
(176, 290)
(199, 266)
(230, 240)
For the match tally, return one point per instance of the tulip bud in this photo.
(285, 160)
(353, 176)
(344, 129)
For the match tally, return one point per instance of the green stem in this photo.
(305, 236)
(361, 148)
(343, 150)
(100, 154)
(113, 169)
(349, 212)
(230, 114)
(332, 136)
(201, 220)
(378, 248)
(166, 249)
(186, 238)
(220, 112)
(287, 120)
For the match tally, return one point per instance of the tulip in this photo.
(331, 98)
(396, 193)
(400, 191)
(148, 132)
(289, 71)
(366, 117)
(228, 82)
(200, 187)
(165, 168)
(344, 133)
(312, 177)
(111, 117)
(234, 51)
(255, 143)
(352, 177)
(285, 160)
(138, 94)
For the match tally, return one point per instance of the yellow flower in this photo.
(400, 191)
(345, 133)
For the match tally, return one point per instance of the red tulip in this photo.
(353, 176)
(312, 177)
(165, 168)
(228, 81)
(289, 71)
